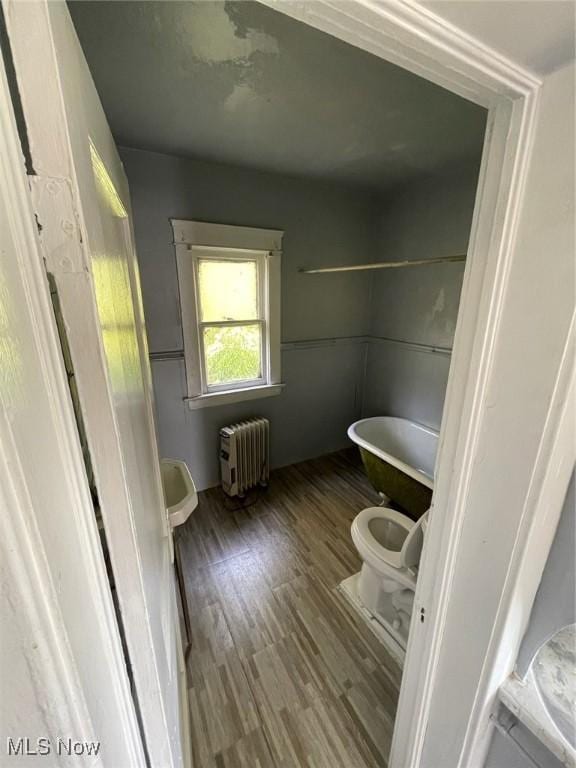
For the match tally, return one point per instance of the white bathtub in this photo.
(408, 446)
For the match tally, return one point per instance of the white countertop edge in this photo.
(521, 697)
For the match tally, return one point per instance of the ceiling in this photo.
(240, 83)
(539, 35)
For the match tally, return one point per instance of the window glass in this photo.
(228, 290)
(232, 353)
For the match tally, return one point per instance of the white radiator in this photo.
(244, 450)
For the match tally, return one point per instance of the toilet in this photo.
(390, 545)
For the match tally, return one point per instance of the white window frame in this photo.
(195, 240)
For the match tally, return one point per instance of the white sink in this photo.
(179, 491)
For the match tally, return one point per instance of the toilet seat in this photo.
(362, 524)
(405, 535)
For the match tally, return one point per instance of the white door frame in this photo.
(62, 190)
(53, 577)
(409, 35)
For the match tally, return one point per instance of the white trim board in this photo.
(226, 235)
(211, 400)
(442, 719)
(64, 120)
(54, 582)
(194, 240)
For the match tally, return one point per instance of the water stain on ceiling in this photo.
(240, 83)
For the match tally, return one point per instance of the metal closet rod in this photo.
(384, 265)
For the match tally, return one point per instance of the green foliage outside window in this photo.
(232, 353)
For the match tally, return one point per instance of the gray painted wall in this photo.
(329, 384)
(428, 219)
(309, 418)
(325, 224)
(405, 381)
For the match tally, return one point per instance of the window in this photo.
(229, 280)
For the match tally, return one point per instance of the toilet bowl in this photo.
(390, 545)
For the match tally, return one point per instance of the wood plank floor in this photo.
(282, 672)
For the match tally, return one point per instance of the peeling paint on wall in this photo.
(438, 307)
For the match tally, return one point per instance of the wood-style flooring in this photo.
(282, 672)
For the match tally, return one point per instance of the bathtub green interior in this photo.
(413, 497)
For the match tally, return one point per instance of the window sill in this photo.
(233, 396)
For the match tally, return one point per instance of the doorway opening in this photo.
(234, 120)
(242, 361)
